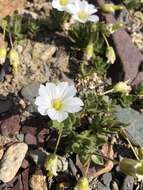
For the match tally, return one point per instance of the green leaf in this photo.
(57, 125)
(97, 159)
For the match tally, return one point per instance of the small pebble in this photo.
(12, 161)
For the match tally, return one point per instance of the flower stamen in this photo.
(63, 2)
(57, 104)
(82, 15)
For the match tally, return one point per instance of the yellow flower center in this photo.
(82, 15)
(63, 2)
(57, 104)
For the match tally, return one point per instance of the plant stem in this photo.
(107, 43)
(107, 92)
(83, 63)
(134, 151)
(4, 30)
(87, 167)
(58, 141)
(10, 39)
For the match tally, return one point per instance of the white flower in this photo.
(57, 101)
(82, 11)
(61, 5)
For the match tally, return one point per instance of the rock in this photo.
(25, 164)
(8, 7)
(134, 120)
(30, 91)
(47, 7)
(25, 179)
(20, 137)
(62, 60)
(107, 178)
(128, 53)
(105, 182)
(10, 126)
(30, 139)
(18, 185)
(114, 185)
(128, 183)
(11, 183)
(42, 51)
(48, 53)
(65, 78)
(38, 182)
(12, 161)
(29, 129)
(1, 152)
(5, 105)
(101, 186)
(32, 108)
(42, 135)
(5, 140)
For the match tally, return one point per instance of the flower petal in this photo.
(73, 105)
(51, 90)
(43, 110)
(57, 115)
(85, 7)
(43, 101)
(56, 5)
(65, 91)
(93, 18)
(71, 8)
(91, 9)
(42, 90)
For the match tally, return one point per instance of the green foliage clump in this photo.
(133, 4)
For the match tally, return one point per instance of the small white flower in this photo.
(82, 11)
(61, 5)
(57, 101)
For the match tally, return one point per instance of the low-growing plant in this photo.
(133, 4)
(87, 121)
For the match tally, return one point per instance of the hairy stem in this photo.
(134, 151)
(58, 141)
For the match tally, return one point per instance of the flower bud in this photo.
(89, 51)
(14, 60)
(128, 166)
(139, 169)
(110, 54)
(111, 8)
(111, 28)
(118, 7)
(3, 53)
(82, 184)
(51, 164)
(122, 87)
